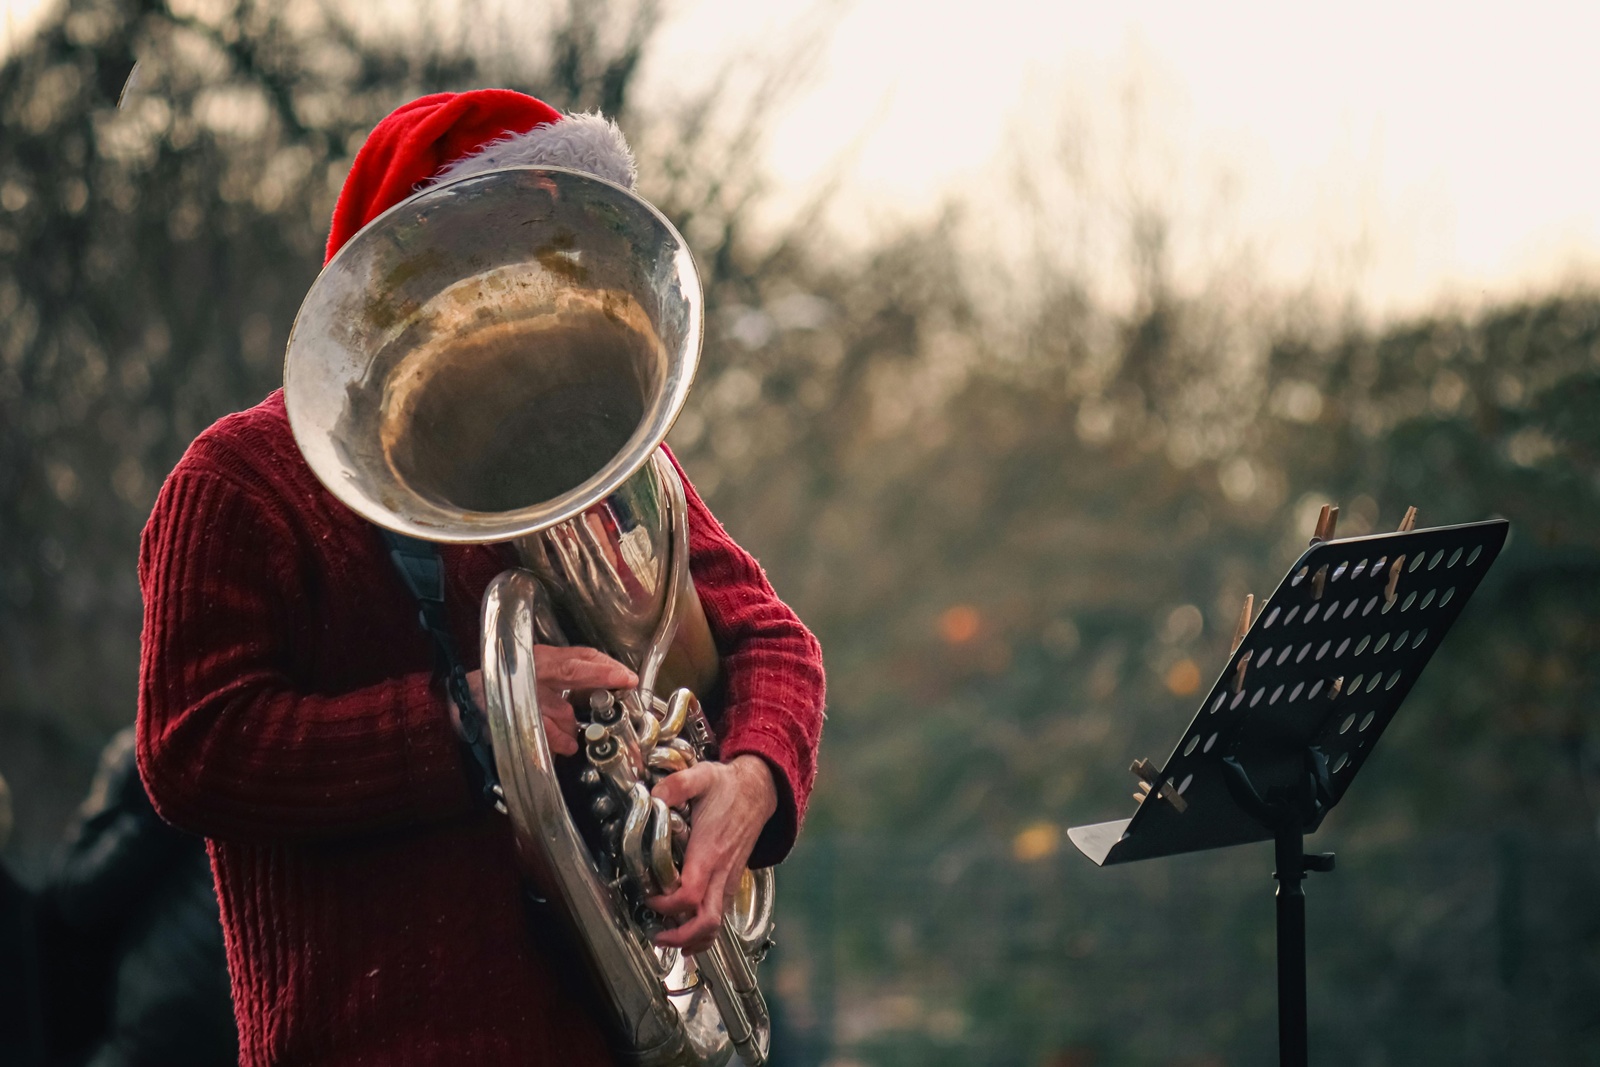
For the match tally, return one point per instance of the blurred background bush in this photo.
(1021, 518)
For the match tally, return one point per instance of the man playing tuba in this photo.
(288, 711)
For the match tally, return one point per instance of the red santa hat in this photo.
(452, 135)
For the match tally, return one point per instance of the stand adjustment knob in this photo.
(1321, 862)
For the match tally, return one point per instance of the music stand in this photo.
(1277, 741)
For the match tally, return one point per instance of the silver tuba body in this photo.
(498, 359)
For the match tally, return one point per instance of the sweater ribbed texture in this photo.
(372, 907)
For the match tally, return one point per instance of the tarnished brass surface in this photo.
(525, 330)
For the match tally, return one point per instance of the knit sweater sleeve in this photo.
(227, 745)
(772, 671)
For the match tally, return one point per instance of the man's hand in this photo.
(730, 803)
(559, 670)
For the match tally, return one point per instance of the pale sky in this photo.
(1404, 151)
(1450, 148)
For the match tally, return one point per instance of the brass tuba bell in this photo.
(499, 358)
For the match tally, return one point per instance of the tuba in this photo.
(498, 359)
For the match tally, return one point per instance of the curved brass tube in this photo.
(633, 828)
(668, 760)
(662, 865)
(651, 734)
(677, 717)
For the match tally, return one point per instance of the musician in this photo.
(371, 900)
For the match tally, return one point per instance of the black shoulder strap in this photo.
(423, 572)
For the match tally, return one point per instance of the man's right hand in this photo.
(560, 671)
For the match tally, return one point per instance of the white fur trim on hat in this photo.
(590, 143)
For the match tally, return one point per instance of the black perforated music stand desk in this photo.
(1326, 663)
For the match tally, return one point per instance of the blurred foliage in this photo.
(1473, 950)
(1023, 539)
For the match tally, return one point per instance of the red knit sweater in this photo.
(371, 904)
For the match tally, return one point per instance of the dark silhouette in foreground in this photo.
(135, 970)
(21, 1014)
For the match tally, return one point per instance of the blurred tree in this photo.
(1024, 548)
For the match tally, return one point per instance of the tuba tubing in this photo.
(739, 999)
(553, 855)
(650, 1031)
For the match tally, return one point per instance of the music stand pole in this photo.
(1291, 872)
(1287, 812)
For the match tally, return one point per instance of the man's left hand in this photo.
(730, 803)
